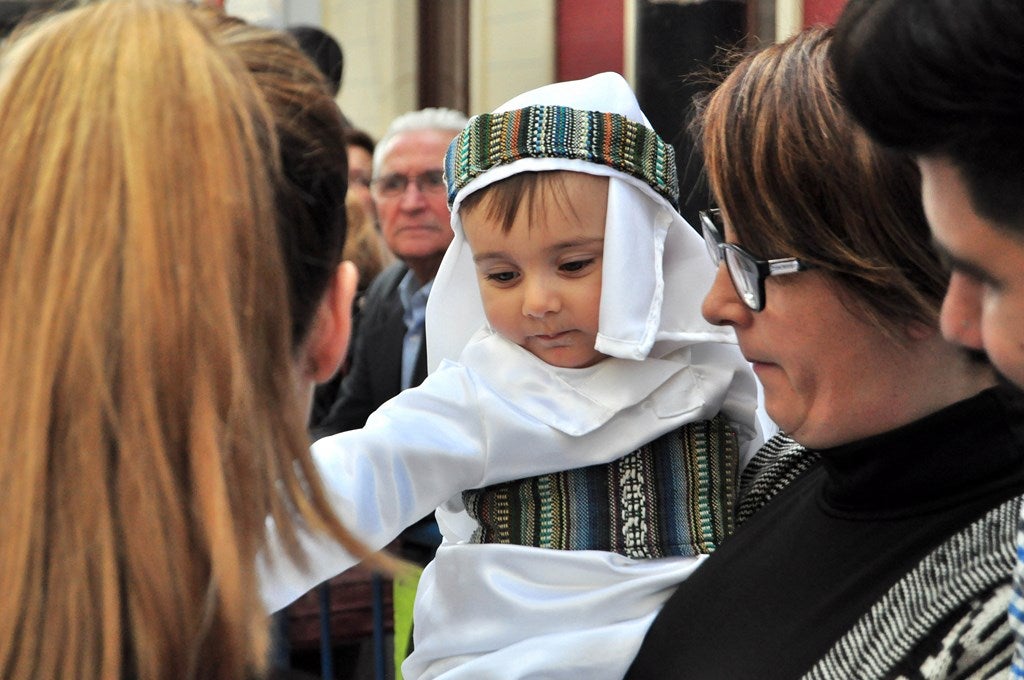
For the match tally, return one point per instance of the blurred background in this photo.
(472, 55)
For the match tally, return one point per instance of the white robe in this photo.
(500, 611)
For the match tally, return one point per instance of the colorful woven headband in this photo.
(494, 139)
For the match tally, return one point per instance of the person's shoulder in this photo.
(775, 466)
(973, 641)
(950, 611)
(382, 294)
(393, 273)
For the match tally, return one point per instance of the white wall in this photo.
(379, 41)
(276, 13)
(789, 18)
(512, 49)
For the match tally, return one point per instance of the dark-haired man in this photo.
(944, 79)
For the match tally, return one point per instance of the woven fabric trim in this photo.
(494, 139)
(971, 568)
(672, 496)
(776, 465)
(961, 589)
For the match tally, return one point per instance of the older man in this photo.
(409, 193)
(945, 79)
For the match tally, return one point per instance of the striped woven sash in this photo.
(672, 496)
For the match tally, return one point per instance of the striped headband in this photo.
(493, 139)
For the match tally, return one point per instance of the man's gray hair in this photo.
(432, 118)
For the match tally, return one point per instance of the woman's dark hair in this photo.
(311, 200)
(324, 51)
(357, 137)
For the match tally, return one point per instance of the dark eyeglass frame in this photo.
(744, 260)
(429, 182)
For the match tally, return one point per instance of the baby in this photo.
(582, 427)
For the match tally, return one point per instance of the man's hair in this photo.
(796, 177)
(424, 119)
(325, 52)
(943, 78)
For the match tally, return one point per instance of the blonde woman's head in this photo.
(151, 421)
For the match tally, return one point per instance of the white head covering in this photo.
(655, 266)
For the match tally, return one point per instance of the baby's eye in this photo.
(576, 265)
(501, 277)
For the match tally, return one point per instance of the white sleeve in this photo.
(418, 449)
(454, 433)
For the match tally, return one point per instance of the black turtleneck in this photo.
(797, 575)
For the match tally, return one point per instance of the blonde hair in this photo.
(150, 422)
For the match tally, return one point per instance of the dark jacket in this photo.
(375, 370)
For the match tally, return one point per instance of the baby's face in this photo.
(541, 282)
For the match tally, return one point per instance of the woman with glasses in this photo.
(877, 533)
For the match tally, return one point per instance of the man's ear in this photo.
(328, 339)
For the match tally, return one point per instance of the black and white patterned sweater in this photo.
(890, 558)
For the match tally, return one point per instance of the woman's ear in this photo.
(329, 336)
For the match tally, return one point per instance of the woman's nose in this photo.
(722, 306)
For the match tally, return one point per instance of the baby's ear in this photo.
(329, 336)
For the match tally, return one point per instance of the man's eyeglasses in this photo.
(395, 184)
(746, 271)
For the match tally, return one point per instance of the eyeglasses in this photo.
(358, 178)
(746, 271)
(395, 184)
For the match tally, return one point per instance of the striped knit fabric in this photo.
(944, 619)
(493, 139)
(1016, 608)
(961, 590)
(774, 467)
(673, 496)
